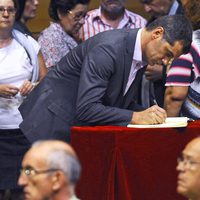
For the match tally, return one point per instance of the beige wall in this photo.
(43, 20)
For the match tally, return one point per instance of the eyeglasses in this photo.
(78, 16)
(29, 171)
(10, 10)
(187, 162)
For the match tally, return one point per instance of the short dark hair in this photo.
(63, 6)
(176, 28)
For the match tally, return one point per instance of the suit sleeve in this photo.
(97, 71)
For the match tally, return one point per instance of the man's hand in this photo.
(152, 115)
(8, 91)
(154, 73)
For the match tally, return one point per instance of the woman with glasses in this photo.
(60, 37)
(21, 67)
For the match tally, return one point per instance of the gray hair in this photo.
(63, 160)
(69, 164)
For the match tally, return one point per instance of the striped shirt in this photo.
(185, 71)
(186, 68)
(94, 23)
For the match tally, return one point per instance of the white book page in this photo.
(171, 122)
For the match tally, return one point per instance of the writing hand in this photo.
(152, 115)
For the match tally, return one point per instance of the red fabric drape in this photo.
(122, 163)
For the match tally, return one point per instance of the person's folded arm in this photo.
(174, 99)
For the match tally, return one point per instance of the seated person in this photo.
(50, 174)
(188, 168)
(182, 95)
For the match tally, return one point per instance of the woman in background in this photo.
(59, 38)
(27, 11)
(21, 67)
(182, 95)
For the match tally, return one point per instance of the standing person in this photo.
(188, 168)
(110, 15)
(51, 174)
(27, 11)
(182, 95)
(58, 39)
(159, 8)
(96, 83)
(21, 69)
(153, 82)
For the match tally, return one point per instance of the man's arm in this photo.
(98, 72)
(174, 98)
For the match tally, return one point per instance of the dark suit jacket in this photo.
(87, 86)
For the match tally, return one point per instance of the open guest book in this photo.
(171, 122)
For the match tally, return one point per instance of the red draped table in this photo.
(120, 163)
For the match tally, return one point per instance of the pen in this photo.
(155, 102)
(190, 119)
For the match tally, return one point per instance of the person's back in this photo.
(110, 15)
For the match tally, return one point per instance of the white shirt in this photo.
(137, 62)
(15, 68)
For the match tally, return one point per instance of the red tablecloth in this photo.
(122, 163)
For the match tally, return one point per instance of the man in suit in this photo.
(155, 76)
(97, 82)
(188, 183)
(50, 174)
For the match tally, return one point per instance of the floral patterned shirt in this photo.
(55, 43)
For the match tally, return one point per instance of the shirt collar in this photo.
(126, 18)
(137, 55)
(174, 8)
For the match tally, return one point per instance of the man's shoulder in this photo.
(116, 33)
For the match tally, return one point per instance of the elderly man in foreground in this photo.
(50, 171)
(189, 171)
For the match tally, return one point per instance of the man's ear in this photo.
(157, 32)
(58, 179)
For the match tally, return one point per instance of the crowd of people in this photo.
(107, 66)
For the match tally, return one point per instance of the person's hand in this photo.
(152, 115)
(154, 73)
(26, 88)
(8, 91)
